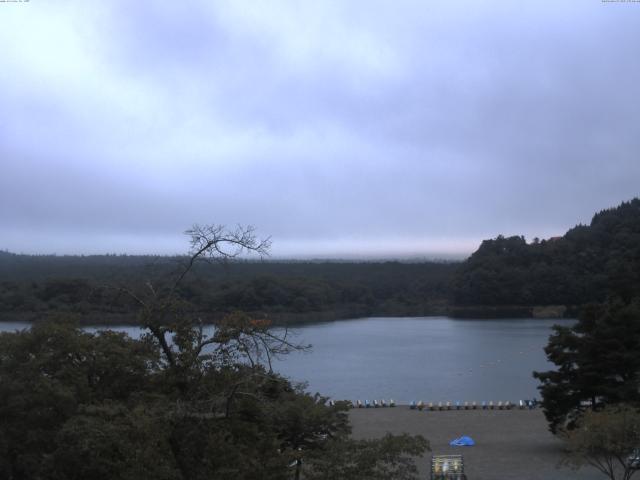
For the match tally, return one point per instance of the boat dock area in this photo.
(458, 405)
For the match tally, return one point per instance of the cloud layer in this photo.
(338, 128)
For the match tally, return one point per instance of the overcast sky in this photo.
(339, 128)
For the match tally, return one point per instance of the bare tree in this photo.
(215, 242)
(181, 337)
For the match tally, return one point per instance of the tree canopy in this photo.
(176, 403)
(597, 363)
(588, 264)
(35, 286)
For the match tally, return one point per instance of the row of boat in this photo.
(374, 404)
(521, 404)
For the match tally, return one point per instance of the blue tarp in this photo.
(462, 442)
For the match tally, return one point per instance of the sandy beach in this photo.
(510, 444)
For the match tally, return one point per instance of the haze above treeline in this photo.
(506, 276)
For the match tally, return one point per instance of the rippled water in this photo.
(428, 358)
(433, 358)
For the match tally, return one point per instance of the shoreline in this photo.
(121, 320)
(510, 444)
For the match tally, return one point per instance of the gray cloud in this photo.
(339, 128)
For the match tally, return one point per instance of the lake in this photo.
(430, 358)
(426, 358)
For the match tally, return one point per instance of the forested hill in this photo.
(504, 277)
(35, 286)
(588, 264)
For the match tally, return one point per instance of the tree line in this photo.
(588, 264)
(506, 276)
(592, 397)
(285, 291)
(176, 404)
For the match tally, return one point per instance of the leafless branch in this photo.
(129, 293)
(215, 242)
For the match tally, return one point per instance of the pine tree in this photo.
(598, 363)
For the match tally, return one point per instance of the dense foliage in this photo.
(76, 405)
(286, 291)
(587, 264)
(597, 363)
(506, 276)
(177, 403)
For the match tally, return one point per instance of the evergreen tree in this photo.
(598, 363)
(588, 264)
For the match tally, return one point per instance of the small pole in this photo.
(298, 465)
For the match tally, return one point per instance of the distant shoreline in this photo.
(279, 320)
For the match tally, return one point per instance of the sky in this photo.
(346, 129)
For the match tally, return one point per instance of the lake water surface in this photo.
(428, 358)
